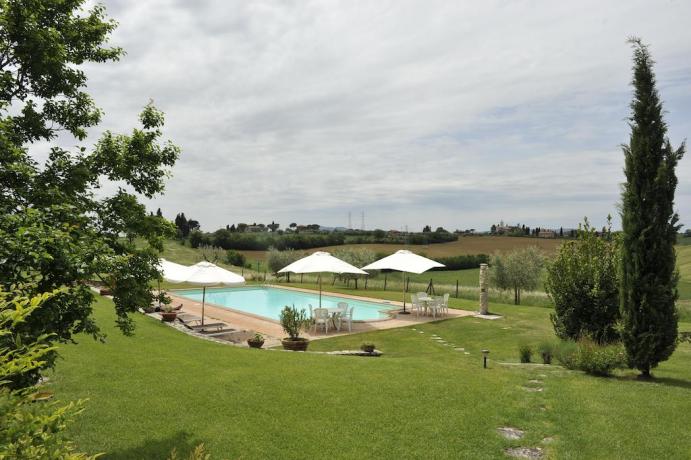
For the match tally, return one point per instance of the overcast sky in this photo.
(456, 114)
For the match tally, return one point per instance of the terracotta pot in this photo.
(105, 291)
(299, 344)
(168, 316)
(255, 343)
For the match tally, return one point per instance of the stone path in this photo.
(511, 433)
(524, 452)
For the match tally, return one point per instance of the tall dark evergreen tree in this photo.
(649, 277)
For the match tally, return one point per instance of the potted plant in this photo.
(168, 314)
(293, 321)
(257, 341)
(546, 350)
(367, 347)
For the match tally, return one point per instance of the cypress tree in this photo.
(649, 277)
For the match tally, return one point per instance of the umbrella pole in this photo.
(203, 300)
(404, 312)
(320, 290)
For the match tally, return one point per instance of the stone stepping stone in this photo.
(459, 349)
(507, 327)
(533, 389)
(538, 382)
(547, 440)
(534, 453)
(421, 332)
(466, 353)
(510, 433)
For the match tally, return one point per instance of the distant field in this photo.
(464, 245)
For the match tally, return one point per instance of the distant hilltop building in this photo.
(546, 233)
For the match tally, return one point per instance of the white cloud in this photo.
(417, 112)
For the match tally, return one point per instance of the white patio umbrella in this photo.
(172, 272)
(207, 274)
(321, 262)
(404, 261)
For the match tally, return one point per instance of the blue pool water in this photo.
(269, 301)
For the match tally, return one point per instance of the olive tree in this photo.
(519, 270)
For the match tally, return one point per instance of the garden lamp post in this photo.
(485, 354)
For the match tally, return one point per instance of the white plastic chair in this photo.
(338, 316)
(445, 304)
(434, 306)
(321, 318)
(416, 304)
(347, 317)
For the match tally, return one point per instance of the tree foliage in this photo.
(28, 430)
(650, 225)
(55, 232)
(519, 270)
(583, 282)
(277, 259)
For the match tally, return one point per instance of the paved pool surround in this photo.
(266, 326)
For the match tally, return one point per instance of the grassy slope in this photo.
(162, 389)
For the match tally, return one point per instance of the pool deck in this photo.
(241, 320)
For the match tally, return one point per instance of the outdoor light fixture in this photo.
(485, 353)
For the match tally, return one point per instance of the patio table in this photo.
(333, 312)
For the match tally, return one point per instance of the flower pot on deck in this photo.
(299, 344)
(168, 316)
(255, 343)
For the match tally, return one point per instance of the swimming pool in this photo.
(269, 301)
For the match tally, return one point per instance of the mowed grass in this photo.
(423, 399)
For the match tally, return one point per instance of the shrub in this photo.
(367, 347)
(462, 262)
(590, 357)
(596, 359)
(583, 282)
(525, 352)
(235, 258)
(29, 430)
(293, 321)
(546, 350)
(567, 354)
(197, 239)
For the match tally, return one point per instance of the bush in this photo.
(29, 430)
(197, 239)
(567, 354)
(367, 347)
(525, 352)
(583, 282)
(546, 350)
(590, 357)
(462, 262)
(235, 258)
(598, 359)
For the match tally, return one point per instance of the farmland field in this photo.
(464, 245)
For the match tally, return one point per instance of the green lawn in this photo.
(162, 389)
